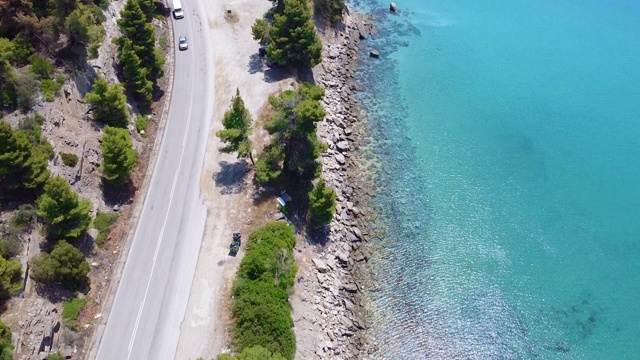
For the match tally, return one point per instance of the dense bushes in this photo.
(67, 215)
(10, 277)
(69, 159)
(266, 275)
(65, 265)
(23, 160)
(6, 347)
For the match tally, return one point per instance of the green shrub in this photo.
(69, 159)
(60, 79)
(102, 222)
(262, 316)
(163, 43)
(70, 311)
(141, 124)
(65, 265)
(22, 50)
(6, 347)
(41, 67)
(56, 356)
(10, 277)
(50, 89)
(31, 123)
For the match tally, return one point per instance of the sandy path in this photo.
(224, 182)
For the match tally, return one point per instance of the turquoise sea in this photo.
(508, 140)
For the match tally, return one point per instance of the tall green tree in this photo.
(293, 36)
(135, 26)
(118, 156)
(237, 127)
(65, 265)
(67, 215)
(23, 160)
(322, 205)
(109, 103)
(294, 128)
(135, 75)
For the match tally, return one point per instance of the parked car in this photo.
(235, 244)
(182, 43)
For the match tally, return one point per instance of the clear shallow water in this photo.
(509, 137)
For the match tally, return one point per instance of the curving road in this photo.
(151, 298)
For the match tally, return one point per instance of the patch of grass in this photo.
(56, 356)
(50, 89)
(141, 124)
(70, 160)
(102, 222)
(60, 79)
(70, 311)
(163, 43)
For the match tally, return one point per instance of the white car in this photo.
(182, 43)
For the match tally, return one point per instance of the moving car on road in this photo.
(182, 43)
(177, 9)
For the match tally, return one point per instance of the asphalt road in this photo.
(151, 298)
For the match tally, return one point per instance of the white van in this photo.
(177, 9)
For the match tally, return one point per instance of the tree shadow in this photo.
(115, 194)
(276, 73)
(162, 9)
(57, 293)
(306, 75)
(256, 63)
(319, 236)
(231, 177)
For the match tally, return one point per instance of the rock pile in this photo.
(336, 296)
(39, 335)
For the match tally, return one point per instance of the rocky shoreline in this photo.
(337, 264)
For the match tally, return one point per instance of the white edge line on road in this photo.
(173, 186)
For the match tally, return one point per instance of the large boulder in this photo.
(320, 265)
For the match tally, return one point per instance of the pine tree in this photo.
(109, 103)
(23, 161)
(135, 27)
(65, 265)
(136, 81)
(148, 7)
(294, 127)
(322, 205)
(237, 126)
(118, 156)
(293, 36)
(66, 215)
